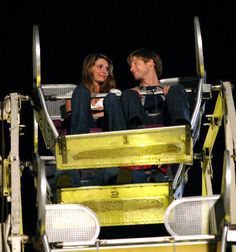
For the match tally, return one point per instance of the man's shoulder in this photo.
(137, 87)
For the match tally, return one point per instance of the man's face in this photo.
(139, 68)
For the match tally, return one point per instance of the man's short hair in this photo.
(146, 55)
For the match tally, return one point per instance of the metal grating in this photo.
(192, 216)
(54, 107)
(71, 224)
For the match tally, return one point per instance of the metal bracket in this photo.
(213, 121)
(206, 91)
(63, 148)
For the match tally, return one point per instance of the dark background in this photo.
(69, 30)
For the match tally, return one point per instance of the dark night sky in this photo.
(69, 30)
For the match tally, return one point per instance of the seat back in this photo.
(54, 105)
(193, 215)
(71, 224)
(63, 224)
(55, 94)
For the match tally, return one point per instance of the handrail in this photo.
(199, 49)
(44, 108)
(36, 57)
(41, 191)
(195, 124)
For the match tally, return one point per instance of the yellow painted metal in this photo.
(38, 80)
(35, 136)
(215, 123)
(122, 204)
(170, 248)
(163, 145)
(6, 178)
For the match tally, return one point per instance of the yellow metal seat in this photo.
(124, 204)
(154, 146)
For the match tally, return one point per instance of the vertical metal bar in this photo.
(45, 243)
(15, 176)
(230, 144)
(224, 239)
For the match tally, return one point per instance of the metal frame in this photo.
(13, 227)
(228, 178)
(224, 109)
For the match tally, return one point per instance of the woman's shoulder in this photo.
(80, 86)
(78, 89)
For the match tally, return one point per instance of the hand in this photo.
(166, 90)
(68, 106)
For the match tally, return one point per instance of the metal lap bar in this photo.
(168, 81)
(125, 148)
(102, 95)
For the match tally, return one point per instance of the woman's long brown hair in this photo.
(87, 75)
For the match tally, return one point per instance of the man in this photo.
(169, 109)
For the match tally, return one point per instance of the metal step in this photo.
(122, 204)
(164, 145)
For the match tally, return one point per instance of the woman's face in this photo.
(100, 70)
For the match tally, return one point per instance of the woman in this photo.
(88, 113)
